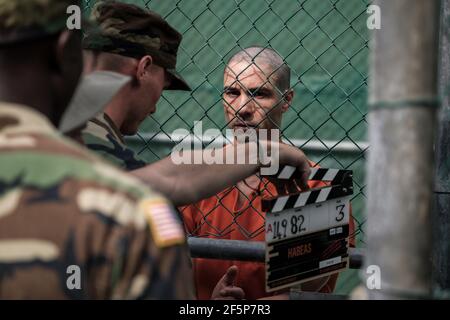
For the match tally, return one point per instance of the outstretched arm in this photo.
(189, 183)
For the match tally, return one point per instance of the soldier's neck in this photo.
(25, 88)
(117, 110)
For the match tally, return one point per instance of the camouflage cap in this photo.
(22, 20)
(93, 93)
(132, 31)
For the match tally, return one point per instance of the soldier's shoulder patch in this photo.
(164, 225)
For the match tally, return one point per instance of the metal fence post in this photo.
(403, 96)
(441, 203)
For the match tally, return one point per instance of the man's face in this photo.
(250, 97)
(145, 94)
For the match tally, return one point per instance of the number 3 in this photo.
(341, 213)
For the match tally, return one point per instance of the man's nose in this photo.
(246, 107)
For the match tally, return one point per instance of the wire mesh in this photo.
(325, 44)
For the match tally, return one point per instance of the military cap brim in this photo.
(132, 31)
(94, 92)
(177, 82)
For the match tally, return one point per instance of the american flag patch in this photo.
(166, 229)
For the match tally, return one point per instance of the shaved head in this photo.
(266, 57)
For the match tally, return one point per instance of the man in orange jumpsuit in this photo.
(256, 94)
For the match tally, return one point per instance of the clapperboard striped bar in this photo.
(335, 176)
(341, 185)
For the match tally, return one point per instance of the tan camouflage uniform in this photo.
(60, 207)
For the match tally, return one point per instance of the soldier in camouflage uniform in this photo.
(129, 31)
(139, 43)
(102, 136)
(93, 93)
(61, 207)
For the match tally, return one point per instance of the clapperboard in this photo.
(307, 232)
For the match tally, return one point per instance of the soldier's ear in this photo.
(57, 57)
(288, 96)
(67, 57)
(66, 65)
(63, 46)
(143, 67)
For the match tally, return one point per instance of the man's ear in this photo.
(65, 66)
(143, 67)
(61, 49)
(67, 52)
(287, 97)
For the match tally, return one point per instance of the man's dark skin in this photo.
(46, 81)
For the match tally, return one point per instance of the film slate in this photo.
(307, 232)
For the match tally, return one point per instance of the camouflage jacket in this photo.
(74, 227)
(103, 137)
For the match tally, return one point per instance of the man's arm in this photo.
(189, 183)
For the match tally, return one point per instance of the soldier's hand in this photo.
(291, 156)
(285, 187)
(225, 289)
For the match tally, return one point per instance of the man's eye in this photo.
(231, 93)
(258, 94)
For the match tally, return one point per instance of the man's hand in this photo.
(294, 157)
(186, 184)
(225, 289)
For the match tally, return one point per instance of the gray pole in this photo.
(403, 95)
(441, 209)
(242, 250)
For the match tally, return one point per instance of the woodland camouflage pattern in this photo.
(104, 138)
(118, 23)
(26, 19)
(62, 206)
(132, 31)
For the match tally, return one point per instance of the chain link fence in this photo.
(324, 42)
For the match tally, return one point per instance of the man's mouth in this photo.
(243, 126)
